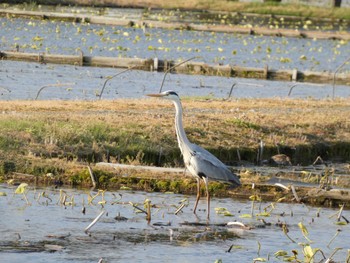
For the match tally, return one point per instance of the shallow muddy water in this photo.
(22, 81)
(47, 231)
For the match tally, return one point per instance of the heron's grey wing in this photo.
(206, 164)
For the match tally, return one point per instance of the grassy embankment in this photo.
(270, 8)
(61, 137)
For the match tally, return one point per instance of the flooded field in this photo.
(23, 81)
(20, 80)
(51, 229)
(115, 41)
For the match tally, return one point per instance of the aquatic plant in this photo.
(22, 189)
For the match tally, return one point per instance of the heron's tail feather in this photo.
(234, 180)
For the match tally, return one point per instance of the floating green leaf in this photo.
(285, 60)
(265, 214)
(281, 253)
(21, 188)
(125, 188)
(309, 253)
(255, 198)
(37, 38)
(245, 216)
(260, 260)
(223, 211)
(341, 223)
(304, 231)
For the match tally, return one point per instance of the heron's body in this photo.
(198, 161)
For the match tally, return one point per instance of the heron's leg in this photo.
(198, 194)
(208, 196)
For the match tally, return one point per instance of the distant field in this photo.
(219, 5)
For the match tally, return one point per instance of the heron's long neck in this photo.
(180, 132)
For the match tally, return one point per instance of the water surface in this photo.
(45, 223)
(23, 80)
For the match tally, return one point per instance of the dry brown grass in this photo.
(218, 5)
(235, 6)
(40, 136)
(211, 123)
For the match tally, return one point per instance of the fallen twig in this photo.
(94, 222)
(52, 85)
(237, 83)
(179, 209)
(148, 205)
(332, 239)
(233, 85)
(335, 73)
(4, 88)
(92, 176)
(169, 69)
(240, 224)
(109, 78)
(295, 193)
(329, 259)
(285, 231)
(346, 220)
(296, 84)
(318, 159)
(138, 208)
(340, 212)
(282, 186)
(201, 224)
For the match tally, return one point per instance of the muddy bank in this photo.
(190, 68)
(271, 187)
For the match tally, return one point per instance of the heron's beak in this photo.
(157, 95)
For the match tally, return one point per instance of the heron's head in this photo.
(169, 94)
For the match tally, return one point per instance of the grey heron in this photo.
(198, 161)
